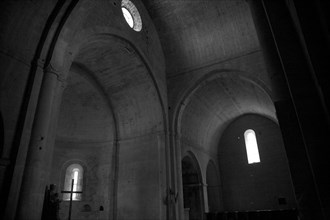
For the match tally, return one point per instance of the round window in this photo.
(131, 15)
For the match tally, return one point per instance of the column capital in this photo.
(51, 69)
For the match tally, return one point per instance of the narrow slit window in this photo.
(251, 146)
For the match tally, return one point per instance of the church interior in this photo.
(164, 109)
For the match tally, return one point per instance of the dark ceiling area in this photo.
(198, 33)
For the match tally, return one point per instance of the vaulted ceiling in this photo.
(201, 36)
(196, 36)
(197, 33)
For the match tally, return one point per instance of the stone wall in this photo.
(257, 186)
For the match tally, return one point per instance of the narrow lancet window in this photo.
(73, 172)
(251, 146)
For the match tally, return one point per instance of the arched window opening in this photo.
(251, 146)
(131, 15)
(74, 172)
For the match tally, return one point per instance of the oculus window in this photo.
(251, 146)
(74, 172)
(131, 15)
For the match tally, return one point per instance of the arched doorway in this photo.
(192, 189)
(213, 188)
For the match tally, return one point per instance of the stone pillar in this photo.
(41, 147)
(298, 107)
(173, 167)
(180, 206)
(205, 197)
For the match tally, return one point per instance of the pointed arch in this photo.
(192, 187)
(251, 146)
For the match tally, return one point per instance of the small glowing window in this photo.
(128, 17)
(131, 15)
(73, 172)
(251, 146)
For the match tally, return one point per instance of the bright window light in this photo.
(73, 172)
(251, 146)
(75, 183)
(131, 15)
(128, 17)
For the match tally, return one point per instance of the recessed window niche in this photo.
(74, 173)
(131, 15)
(251, 146)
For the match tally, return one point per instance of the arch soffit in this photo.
(87, 75)
(112, 39)
(72, 38)
(216, 74)
(211, 163)
(273, 120)
(197, 166)
(63, 57)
